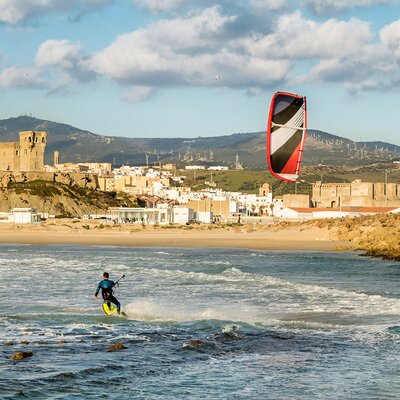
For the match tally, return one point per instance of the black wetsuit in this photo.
(107, 293)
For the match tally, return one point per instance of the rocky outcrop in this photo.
(116, 347)
(8, 178)
(377, 235)
(21, 355)
(60, 199)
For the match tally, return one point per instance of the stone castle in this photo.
(355, 194)
(25, 155)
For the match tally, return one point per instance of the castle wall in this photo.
(296, 200)
(27, 155)
(9, 156)
(355, 194)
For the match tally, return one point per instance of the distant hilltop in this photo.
(77, 145)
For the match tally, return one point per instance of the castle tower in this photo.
(32, 147)
(264, 189)
(56, 157)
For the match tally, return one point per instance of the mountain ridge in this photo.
(77, 145)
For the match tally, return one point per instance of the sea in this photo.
(201, 324)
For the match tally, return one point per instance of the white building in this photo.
(218, 168)
(193, 167)
(24, 216)
(251, 204)
(146, 216)
(183, 215)
(162, 215)
(205, 217)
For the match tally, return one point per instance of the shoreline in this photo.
(313, 239)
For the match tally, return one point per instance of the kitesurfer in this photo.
(106, 286)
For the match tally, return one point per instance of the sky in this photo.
(189, 68)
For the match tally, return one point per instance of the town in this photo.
(163, 198)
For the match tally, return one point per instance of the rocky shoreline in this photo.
(376, 235)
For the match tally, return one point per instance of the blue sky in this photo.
(187, 68)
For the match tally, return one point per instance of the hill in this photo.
(76, 145)
(59, 199)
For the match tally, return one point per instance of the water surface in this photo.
(269, 325)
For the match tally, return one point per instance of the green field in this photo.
(249, 181)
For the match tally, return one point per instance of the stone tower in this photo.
(56, 157)
(32, 147)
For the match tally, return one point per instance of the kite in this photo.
(286, 134)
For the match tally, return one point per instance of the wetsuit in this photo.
(107, 293)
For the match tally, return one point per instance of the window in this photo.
(30, 139)
(43, 140)
(17, 153)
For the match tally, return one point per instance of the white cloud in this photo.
(16, 11)
(66, 56)
(19, 77)
(390, 37)
(298, 38)
(333, 6)
(186, 51)
(191, 49)
(62, 53)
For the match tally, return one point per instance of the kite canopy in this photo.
(286, 133)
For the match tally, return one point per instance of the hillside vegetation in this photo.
(249, 181)
(59, 199)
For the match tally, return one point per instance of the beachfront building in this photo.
(152, 216)
(145, 216)
(221, 208)
(24, 216)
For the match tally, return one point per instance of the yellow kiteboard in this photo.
(110, 309)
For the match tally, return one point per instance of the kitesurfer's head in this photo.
(106, 275)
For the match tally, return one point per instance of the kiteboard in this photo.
(286, 134)
(110, 309)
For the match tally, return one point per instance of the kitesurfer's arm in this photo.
(97, 291)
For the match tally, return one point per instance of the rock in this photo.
(116, 347)
(21, 355)
(193, 343)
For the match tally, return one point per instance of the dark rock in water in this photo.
(193, 343)
(61, 342)
(116, 347)
(9, 344)
(229, 333)
(21, 355)
(23, 342)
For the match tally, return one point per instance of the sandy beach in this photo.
(93, 233)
